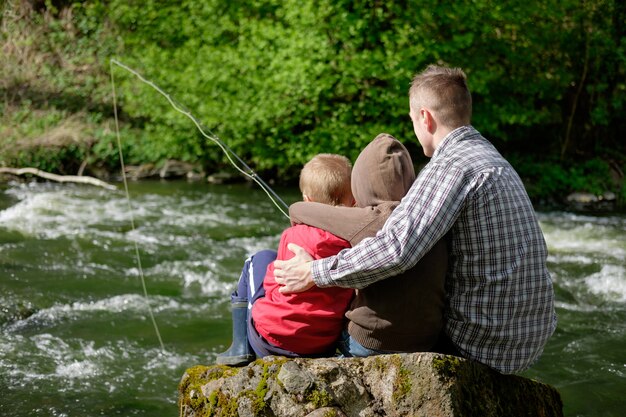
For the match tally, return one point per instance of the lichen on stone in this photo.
(403, 384)
(190, 390)
(446, 366)
(319, 398)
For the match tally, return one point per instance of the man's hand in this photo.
(294, 275)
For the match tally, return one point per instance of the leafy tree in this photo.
(279, 81)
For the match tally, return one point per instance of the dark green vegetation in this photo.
(281, 81)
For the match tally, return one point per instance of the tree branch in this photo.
(579, 89)
(58, 178)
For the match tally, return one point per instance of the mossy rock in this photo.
(416, 384)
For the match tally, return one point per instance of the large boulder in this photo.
(415, 384)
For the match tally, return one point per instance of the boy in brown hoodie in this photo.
(403, 313)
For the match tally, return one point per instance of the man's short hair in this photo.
(443, 91)
(326, 178)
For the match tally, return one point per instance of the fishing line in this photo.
(230, 154)
(130, 210)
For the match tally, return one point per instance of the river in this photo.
(76, 338)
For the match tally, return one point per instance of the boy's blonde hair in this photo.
(444, 91)
(326, 178)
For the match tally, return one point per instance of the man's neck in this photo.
(444, 134)
(440, 135)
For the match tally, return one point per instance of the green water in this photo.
(76, 338)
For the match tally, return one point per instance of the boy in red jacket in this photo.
(267, 322)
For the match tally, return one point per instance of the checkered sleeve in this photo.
(423, 217)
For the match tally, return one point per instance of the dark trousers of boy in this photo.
(249, 290)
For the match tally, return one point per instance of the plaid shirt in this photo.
(500, 307)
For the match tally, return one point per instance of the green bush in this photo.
(551, 181)
(281, 81)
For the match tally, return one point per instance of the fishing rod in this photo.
(230, 154)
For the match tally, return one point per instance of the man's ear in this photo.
(429, 120)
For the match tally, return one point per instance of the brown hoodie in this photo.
(399, 314)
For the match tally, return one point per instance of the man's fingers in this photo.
(287, 268)
(295, 286)
(284, 289)
(294, 275)
(280, 269)
(299, 252)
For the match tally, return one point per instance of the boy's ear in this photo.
(306, 198)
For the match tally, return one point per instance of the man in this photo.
(500, 299)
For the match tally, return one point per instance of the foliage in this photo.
(549, 181)
(279, 81)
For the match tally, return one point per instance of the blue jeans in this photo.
(349, 347)
(250, 289)
(250, 285)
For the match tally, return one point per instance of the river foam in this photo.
(51, 212)
(584, 234)
(590, 253)
(135, 304)
(75, 365)
(609, 282)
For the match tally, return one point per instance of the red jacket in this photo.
(309, 322)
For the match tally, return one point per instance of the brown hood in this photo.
(383, 172)
(381, 176)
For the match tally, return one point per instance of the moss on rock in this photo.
(399, 384)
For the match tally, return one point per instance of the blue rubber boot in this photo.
(239, 353)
